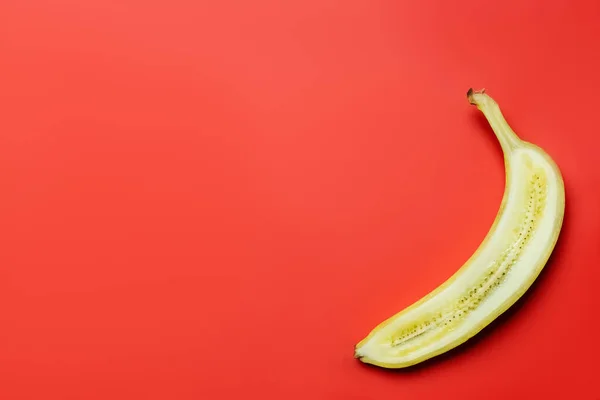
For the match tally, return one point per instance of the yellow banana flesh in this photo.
(507, 262)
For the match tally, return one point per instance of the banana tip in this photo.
(471, 95)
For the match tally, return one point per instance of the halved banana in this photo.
(504, 266)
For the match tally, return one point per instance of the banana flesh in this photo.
(507, 262)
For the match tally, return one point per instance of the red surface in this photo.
(216, 200)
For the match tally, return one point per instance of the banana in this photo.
(505, 265)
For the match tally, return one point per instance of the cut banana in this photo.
(507, 262)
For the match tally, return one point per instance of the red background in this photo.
(215, 200)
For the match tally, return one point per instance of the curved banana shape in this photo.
(504, 266)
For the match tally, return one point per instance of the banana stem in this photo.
(506, 136)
